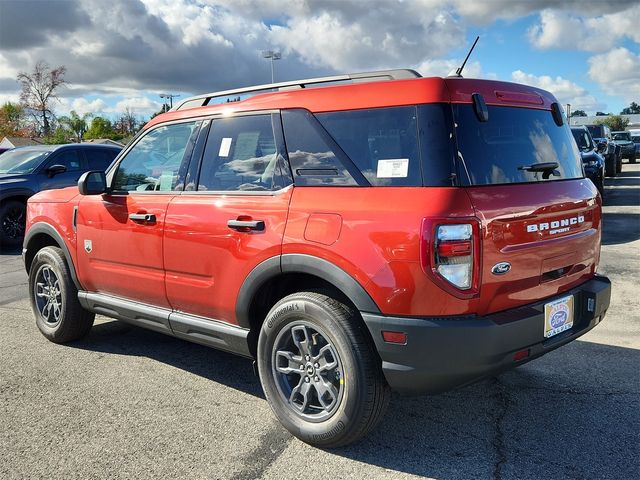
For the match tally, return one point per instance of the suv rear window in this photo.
(499, 150)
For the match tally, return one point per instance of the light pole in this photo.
(169, 96)
(569, 113)
(273, 56)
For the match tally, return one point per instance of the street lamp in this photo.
(273, 56)
(170, 96)
(569, 113)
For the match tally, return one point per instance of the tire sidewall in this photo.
(42, 258)
(332, 429)
(4, 210)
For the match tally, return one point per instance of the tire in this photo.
(340, 391)
(610, 166)
(632, 159)
(619, 165)
(12, 223)
(54, 298)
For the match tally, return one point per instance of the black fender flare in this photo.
(15, 192)
(46, 229)
(300, 263)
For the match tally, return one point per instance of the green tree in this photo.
(39, 90)
(614, 122)
(100, 128)
(12, 120)
(578, 113)
(76, 124)
(59, 135)
(632, 109)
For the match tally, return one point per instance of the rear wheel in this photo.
(319, 371)
(12, 223)
(54, 298)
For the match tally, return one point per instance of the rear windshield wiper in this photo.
(547, 168)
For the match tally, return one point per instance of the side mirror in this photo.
(92, 183)
(55, 169)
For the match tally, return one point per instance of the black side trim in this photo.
(205, 331)
(299, 263)
(45, 228)
(211, 333)
(140, 314)
(15, 192)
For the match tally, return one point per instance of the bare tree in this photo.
(127, 123)
(39, 89)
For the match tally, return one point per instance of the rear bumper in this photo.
(444, 353)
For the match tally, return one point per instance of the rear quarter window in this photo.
(382, 142)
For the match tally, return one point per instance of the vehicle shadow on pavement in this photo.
(4, 250)
(571, 414)
(120, 338)
(620, 228)
(626, 195)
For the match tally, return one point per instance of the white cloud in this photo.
(442, 68)
(564, 90)
(559, 29)
(344, 38)
(143, 106)
(617, 72)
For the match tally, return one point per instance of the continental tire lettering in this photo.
(293, 307)
(331, 433)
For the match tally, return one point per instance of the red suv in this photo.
(381, 232)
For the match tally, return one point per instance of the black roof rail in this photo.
(205, 99)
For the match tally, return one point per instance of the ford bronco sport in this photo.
(381, 232)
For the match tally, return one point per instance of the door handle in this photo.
(246, 225)
(143, 217)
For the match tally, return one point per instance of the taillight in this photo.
(454, 254)
(451, 254)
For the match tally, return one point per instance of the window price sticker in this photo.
(393, 168)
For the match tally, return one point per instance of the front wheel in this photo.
(54, 298)
(632, 159)
(12, 223)
(319, 370)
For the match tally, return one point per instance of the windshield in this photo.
(622, 136)
(22, 161)
(583, 139)
(511, 146)
(595, 131)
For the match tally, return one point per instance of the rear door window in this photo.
(241, 154)
(99, 158)
(503, 149)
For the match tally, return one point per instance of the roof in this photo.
(51, 148)
(12, 142)
(105, 141)
(377, 94)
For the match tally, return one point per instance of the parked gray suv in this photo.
(27, 170)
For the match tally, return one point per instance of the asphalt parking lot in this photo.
(129, 403)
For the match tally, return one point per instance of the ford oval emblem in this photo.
(501, 268)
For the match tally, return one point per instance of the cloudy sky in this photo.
(123, 53)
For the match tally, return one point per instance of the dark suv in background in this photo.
(611, 152)
(25, 171)
(627, 147)
(592, 161)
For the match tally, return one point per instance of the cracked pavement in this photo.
(129, 403)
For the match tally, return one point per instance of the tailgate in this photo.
(549, 234)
